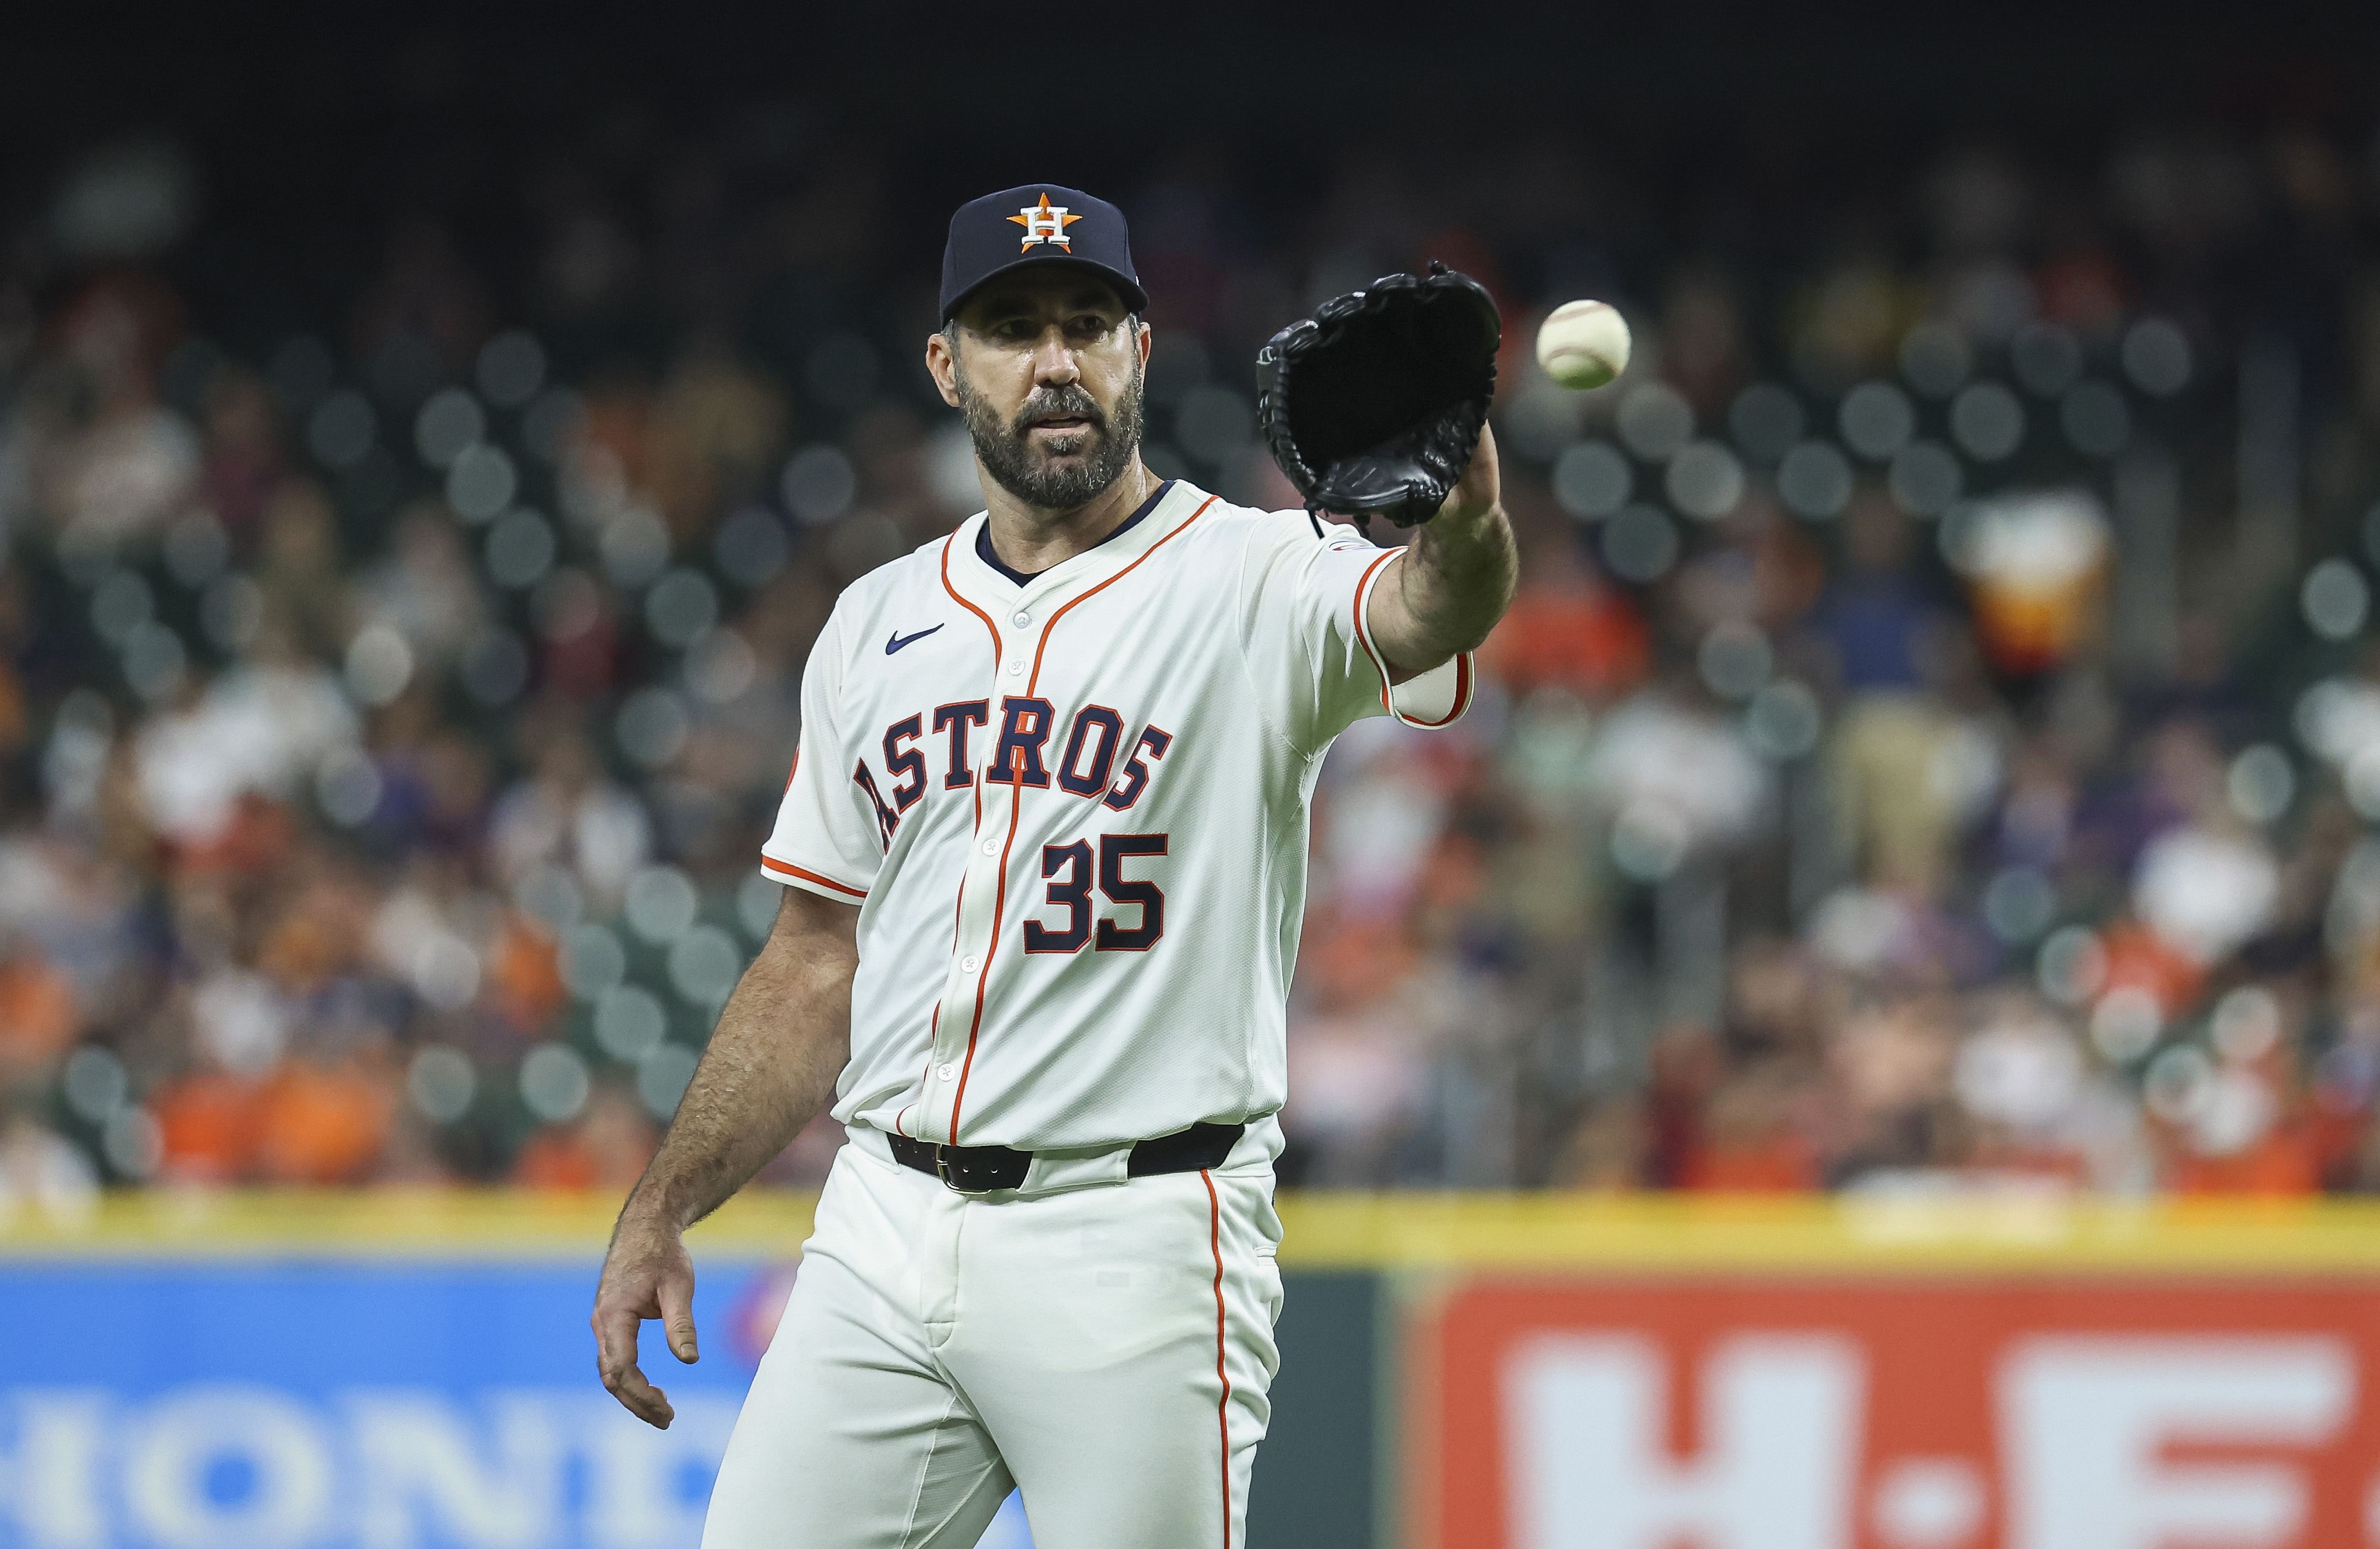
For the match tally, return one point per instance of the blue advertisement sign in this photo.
(345, 1404)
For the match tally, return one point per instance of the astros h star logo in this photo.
(1045, 222)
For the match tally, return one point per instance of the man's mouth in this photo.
(1061, 433)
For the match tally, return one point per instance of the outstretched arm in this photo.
(782, 1038)
(1446, 591)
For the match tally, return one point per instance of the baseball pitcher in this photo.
(1044, 851)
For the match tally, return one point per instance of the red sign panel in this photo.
(1921, 1415)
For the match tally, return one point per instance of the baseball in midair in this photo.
(1582, 343)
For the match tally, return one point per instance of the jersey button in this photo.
(1023, 617)
(967, 965)
(943, 1072)
(1017, 668)
(992, 847)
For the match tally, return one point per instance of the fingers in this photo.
(640, 1398)
(1480, 488)
(1483, 473)
(676, 1296)
(616, 1361)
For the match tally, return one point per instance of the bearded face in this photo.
(1063, 446)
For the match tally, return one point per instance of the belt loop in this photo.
(1055, 1170)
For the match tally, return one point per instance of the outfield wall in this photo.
(412, 1370)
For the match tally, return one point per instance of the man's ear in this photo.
(1145, 337)
(943, 366)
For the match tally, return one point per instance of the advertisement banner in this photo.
(296, 1371)
(341, 1402)
(1811, 1413)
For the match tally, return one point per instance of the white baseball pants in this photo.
(1109, 1349)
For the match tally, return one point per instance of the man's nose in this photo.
(1053, 363)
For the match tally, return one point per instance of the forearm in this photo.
(1454, 583)
(782, 1040)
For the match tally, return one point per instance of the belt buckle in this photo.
(942, 1171)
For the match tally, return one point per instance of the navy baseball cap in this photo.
(1037, 223)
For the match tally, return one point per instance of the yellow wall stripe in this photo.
(1324, 1230)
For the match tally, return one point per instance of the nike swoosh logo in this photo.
(899, 639)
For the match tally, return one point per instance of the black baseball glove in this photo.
(1373, 405)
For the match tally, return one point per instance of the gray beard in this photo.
(1008, 455)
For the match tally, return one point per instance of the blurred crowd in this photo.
(1933, 746)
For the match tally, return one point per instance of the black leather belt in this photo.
(978, 1170)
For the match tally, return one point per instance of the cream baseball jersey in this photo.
(1073, 810)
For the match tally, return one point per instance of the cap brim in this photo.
(1125, 287)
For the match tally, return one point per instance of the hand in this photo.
(1453, 581)
(647, 1274)
(1481, 489)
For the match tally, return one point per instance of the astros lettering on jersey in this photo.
(1072, 807)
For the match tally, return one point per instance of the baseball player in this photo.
(1044, 850)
